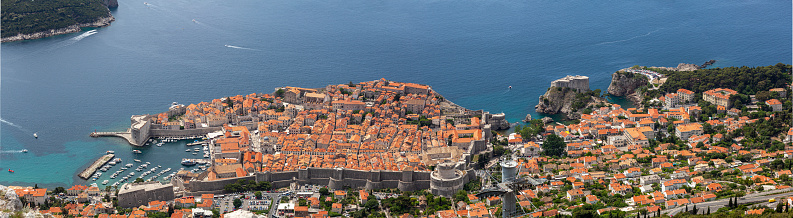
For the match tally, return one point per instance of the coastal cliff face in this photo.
(566, 101)
(624, 83)
(110, 3)
(101, 22)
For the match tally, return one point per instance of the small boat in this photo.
(24, 151)
(136, 151)
(510, 87)
(35, 135)
(159, 144)
(110, 152)
(188, 162)
(194, 153)
(105, 182)
(188, 150)
(136, 160)
(10, 171)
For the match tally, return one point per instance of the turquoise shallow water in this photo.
(66, 86)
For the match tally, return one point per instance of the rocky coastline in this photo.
(561, 100)
(101, 22)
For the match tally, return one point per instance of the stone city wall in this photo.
(333, 178)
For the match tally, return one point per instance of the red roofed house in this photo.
(37, 196)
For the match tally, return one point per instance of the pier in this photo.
(98, 163)
(126, 135)
(197, 143)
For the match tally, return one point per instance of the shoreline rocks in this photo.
(101, 22)
(561, 100)
(624, 83)
(527, 119)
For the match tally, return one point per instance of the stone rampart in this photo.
(336, 178)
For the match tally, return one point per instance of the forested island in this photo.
(24, 19)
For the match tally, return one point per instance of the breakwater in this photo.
(98, 163)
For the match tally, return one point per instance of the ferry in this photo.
(136, 151)
(188, 162)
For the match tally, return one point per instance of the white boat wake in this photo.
(243, 48)
(82, 36)
(11, 151)
(632, 38)
(12, 124)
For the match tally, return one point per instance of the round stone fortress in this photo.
(447, 179)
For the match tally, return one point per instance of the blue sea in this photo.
(65, 87)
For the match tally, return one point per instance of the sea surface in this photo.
(471, 51)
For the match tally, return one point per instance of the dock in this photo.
(86, 174)
(197, 143)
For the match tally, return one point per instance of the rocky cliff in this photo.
(110, 3)
(624, 83)
(566, 101)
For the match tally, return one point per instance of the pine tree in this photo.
(694, 211)
(686, 208)
(729, 205)
(779, 207)
(708, 210)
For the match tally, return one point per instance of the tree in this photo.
(461, 196)
(258, 194)
(324, 191)
(694, 210)
(139, 180)
(264, 186)
(708, 210)
(553, 145)
(729, 205)
(779, 207)
(58, 190)
(237, 203)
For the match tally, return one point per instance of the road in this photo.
(715, 205)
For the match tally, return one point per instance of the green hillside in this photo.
(30, 16)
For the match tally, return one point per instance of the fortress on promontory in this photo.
(579, 83)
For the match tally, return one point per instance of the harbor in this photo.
(157, 159)
(98, 163)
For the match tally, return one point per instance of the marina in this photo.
(116, 172)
